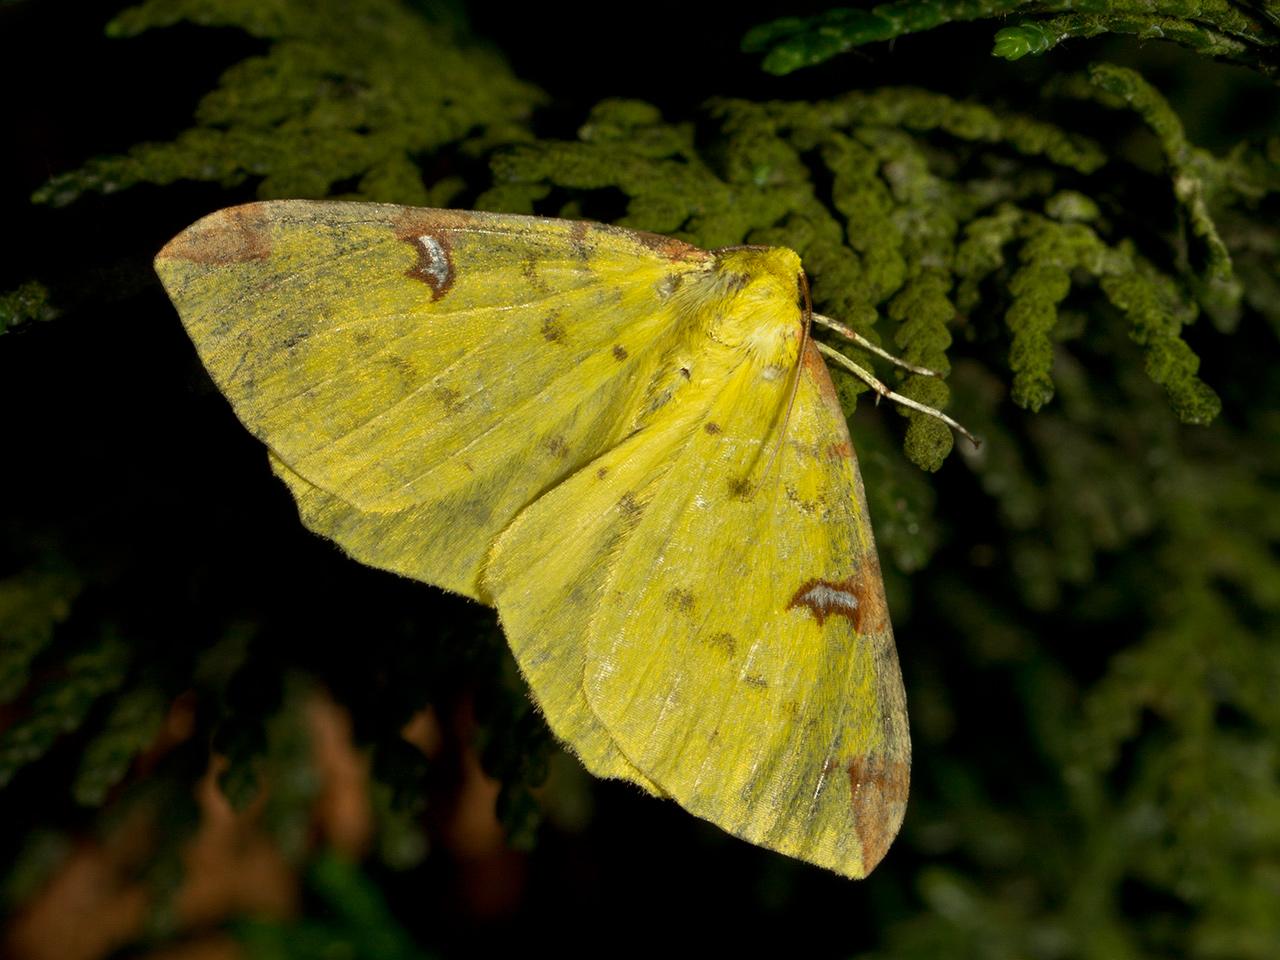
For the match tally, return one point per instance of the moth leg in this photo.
(869, 379)
(850, 334)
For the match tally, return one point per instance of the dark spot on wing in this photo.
(658, 399)
(552, 330)
(578, 234)
(757, 681)
(605, 296)
(711, 427)
(402, 367)
(293, 339)
(529, 267)
(681, 600)
(724, 643)
(557, 447)
(578, 597)
(450, 398)
(840, 451)
(629, 507)
(735, 281)
(740, 488)
(602, 473)
(619, 352)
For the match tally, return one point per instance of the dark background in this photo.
(126, 472)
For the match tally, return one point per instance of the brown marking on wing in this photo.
(668, 247)
(602, 473)
(557, 447)
(859, 598)
(711, 427)
(235, 235)
(578, 239)
(415, 221)
(435, 261)
(825, 598)
(875, 611)
(740, 488)
(816, 368)
(430, 233)
(879, 786)
(754, 680)
(840, 451)
(619, 352)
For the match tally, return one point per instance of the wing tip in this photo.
(879, 785)
(228, 236)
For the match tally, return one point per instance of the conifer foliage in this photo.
(1087, 607)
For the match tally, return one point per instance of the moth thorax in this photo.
(754, 302)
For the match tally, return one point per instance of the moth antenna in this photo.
(795, 383)
(882, 391)
(850, 334)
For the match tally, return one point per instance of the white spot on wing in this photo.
(822, 779)
(823, 596)
(436, 262)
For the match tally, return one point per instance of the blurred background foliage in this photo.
(219, 738)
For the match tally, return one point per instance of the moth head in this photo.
(751, 298)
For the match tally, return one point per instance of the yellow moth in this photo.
(627, 445)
